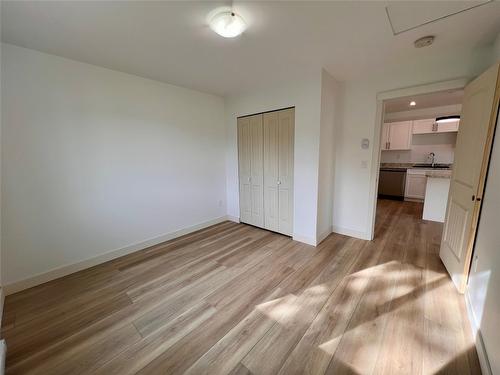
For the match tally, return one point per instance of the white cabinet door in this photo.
(415, 185)
(384, 139)
(400, 135)
(286, 121)
(448, 127)
(423, 126)
(251, 178)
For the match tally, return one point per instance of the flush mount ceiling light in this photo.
(443, 119)
(413, 103)
(424, 42)
(227, 24)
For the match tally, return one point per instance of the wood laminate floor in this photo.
(234, 299)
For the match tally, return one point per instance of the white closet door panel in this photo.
(271, 176)
(257, 175)
(250, 157)
(244, 168)
(286, 120)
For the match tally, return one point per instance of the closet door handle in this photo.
(279, 182)
(249, 179)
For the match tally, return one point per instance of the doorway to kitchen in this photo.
(417, 142)
(464, 187)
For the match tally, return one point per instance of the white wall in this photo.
(354, 169)
(496, 49)
(330, 109)
(1, 83)
(442, 144)
(484, 283)
(95, 160)
(304, 93)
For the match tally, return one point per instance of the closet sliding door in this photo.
(286, 129)
(251, 168)
(265, 152)
(271, 174)
(278, 171)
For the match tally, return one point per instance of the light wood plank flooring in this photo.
(234, 299)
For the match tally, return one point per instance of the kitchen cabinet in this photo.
(396, 135)
(423, 126)
(430, 126)
(448, 127)
(416, 182)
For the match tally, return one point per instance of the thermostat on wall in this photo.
(365, 143)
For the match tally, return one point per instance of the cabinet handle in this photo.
(279, 182)
(389, 145)
(473, 198)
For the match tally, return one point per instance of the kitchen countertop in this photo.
(406, 166)
(439, 173)
(396, 165)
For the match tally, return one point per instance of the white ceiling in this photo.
(436, 99)
(171, 42)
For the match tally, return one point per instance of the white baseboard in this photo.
(233, 218)
(351, 232)
(56, 273)
(321, 237)
(476, 332)
(304, 239)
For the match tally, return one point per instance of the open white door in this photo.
(475, 135)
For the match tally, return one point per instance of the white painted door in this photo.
(472, 151)
(286, 124)
(271, 175)
(400, 135)
(250, 156)
(278, 170)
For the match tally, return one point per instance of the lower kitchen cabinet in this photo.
(416, 182)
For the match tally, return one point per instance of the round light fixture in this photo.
(444, 119)
(227, 24)
(413, 103)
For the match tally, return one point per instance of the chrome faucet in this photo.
(432, 157)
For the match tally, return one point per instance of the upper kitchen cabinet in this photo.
(447, 126)
(429, 126)
(396, 135)
(424, 126)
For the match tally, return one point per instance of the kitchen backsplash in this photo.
(443, 146)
